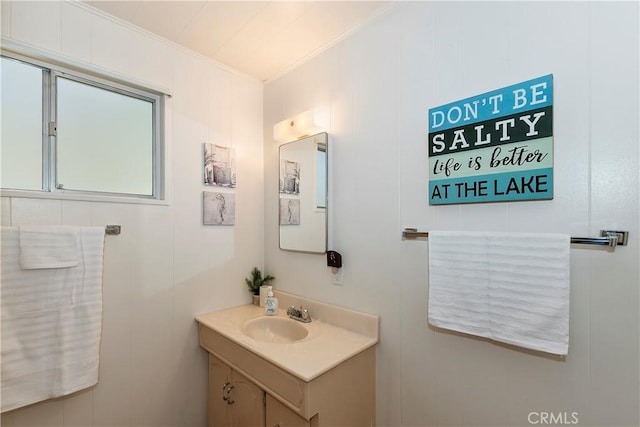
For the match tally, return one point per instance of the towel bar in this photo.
(609, 238)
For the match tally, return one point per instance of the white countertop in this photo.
(326, 346)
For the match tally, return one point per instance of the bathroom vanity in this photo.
(275, 371)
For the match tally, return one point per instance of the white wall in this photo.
(165, 267)
(376, 87)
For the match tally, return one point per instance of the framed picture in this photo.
(289, 177)
(218, 208)
(218, 165)
(289, 211)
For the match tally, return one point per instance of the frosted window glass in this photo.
(104, 140)
(21, 124)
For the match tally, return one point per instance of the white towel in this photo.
(47, 247)
(51, 322)
(509, 287)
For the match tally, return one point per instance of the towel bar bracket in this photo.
(112, 230)
(622, 236)
(413, 234)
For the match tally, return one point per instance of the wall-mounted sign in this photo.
(493, 147)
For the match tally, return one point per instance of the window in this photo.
(69, 133)
(21, 125)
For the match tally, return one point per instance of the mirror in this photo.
(303, 194)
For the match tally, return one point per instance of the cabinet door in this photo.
(218, 410)
(233, 400)
(247, 402)
(279, 415)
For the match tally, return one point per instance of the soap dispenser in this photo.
(271, 303)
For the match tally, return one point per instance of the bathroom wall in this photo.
(165, 267)
(374, 89)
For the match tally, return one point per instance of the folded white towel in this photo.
(509, 287)
(48, 247)
(51, 322)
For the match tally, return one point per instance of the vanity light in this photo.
(296, 127)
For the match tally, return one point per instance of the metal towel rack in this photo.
(608, 238)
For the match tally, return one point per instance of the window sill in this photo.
(82, 197)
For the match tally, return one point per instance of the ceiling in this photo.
(259, 38)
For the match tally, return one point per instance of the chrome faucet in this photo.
(301, 314)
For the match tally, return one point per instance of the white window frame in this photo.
(116, 84)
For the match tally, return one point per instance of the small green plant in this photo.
(257, 280)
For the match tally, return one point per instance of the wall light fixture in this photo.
(296, 127)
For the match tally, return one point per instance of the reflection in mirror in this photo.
(303, 194)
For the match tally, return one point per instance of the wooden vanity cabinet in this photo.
(234, 401)
(263, 394)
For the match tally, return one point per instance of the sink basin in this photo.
(274, 330)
